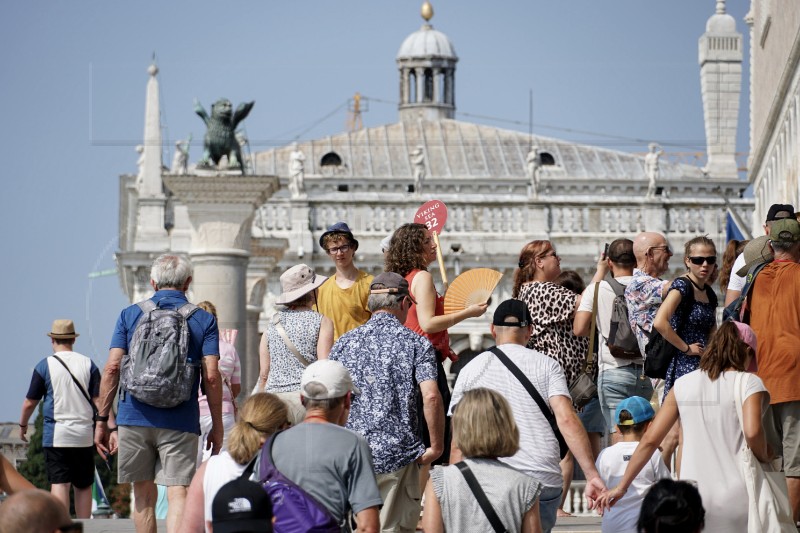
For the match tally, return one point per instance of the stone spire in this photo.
(150, 185)
(427, 64)
(721, 84)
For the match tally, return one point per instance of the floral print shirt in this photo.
(387, 361)
(643, 295)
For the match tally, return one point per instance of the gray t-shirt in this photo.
(331, 463)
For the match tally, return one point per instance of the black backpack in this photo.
(739, 310)
(621, 340)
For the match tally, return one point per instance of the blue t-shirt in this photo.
(203, 341)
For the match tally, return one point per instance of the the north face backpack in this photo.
(621, 340)
(294, 509)
(156, 369)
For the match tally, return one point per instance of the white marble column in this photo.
(221, 209)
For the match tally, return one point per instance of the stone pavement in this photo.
(576, 524)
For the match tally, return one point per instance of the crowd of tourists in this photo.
(352, 424)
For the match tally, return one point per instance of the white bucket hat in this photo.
(297, 282)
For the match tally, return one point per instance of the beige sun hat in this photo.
(62, 329)
(756, 251)
(298, 281)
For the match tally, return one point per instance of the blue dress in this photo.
(695, 329)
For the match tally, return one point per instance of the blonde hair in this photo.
(208, 307)
(483, 425)
(261, 415)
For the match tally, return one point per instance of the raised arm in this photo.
(663, 326)
(424, 293)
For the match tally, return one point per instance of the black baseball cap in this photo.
(241, 506)
(780, 211)
(514, 308)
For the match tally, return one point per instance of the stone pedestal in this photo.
(221, 210)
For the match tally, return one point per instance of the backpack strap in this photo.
(483, 501)
(587, 364)
(551, 419)
(147, 305)
(187, 310)
(616, 286)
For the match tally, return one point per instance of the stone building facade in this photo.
(502, 189)
(774, 105)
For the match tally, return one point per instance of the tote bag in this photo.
(769, 508)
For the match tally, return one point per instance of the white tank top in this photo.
(219, 470)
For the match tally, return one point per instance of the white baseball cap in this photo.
(332, 375)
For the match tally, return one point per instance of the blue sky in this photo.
(74, 76)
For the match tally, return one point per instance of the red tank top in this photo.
(440, 340)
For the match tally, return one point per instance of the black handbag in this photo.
(584, 388)
(659, 351)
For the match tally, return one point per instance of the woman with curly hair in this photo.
(261, 415)
(411, 250)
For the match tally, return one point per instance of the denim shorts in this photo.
(616, 384)
(592, 417)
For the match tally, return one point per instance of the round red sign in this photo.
(433, 214)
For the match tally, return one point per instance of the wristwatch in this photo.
(98, 418)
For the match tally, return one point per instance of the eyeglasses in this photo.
(343, 248)
(72, 527)
(700, 260)
(665, 248)
(552, 253)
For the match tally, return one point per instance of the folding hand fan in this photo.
(472, 287)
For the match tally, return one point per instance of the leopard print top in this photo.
(551, 308)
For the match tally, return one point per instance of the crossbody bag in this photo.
(78, 384)
(551, 419)
(583, 388)
(483, 501)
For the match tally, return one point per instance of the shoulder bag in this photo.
(767, 493)
(659, 351)
(78, 384)
(276, 321)
(483, 501)
(551, 419)
(583, 389)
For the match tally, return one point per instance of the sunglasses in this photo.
(666, 249)
(712, 259)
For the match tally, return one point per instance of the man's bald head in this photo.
(644, 247)
(33, 510)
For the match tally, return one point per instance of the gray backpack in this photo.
(621, 340)
(156, 369)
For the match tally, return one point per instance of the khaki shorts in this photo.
(401, 499)
(165, 455)
(786, 416)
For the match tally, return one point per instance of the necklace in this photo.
(696, 286)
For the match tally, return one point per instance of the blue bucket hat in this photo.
(339, 227)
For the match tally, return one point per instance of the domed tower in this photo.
(427, 64)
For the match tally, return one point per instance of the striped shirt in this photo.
(538, 454)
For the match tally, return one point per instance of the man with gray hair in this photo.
(329, 462)
(158, 444)
(388, 363)
(774, 304)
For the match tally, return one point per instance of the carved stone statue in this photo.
(220, 138)
(651, 168)
(139, 164)
(418, 167)
(297, 172)
(180, 161)
(532, 163)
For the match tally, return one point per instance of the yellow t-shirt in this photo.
(347, 308)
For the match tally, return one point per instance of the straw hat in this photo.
(62, 329)
(297, 282)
